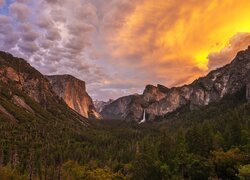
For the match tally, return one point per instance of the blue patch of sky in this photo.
(5, 9)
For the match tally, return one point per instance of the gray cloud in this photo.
(4, 19)
(23, 1)
(28, 47)
(53, 34)
(20, 11)
(44, 22)
(52, 1)
(10, 40)
(5, 24)
(30, 36)
(45, 44)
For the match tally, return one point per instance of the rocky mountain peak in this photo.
(152, 93)
(242, 56)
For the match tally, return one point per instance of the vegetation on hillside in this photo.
(212, 142)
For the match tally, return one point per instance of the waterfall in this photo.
(144, 117)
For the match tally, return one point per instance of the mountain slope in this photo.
(26, 94)
(99, 105)
(158, 101)
(73, 91)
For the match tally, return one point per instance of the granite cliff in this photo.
(73, 92)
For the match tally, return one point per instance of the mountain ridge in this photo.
(27, 94)
(202, 91)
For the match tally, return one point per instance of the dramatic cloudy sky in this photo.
(119, 46)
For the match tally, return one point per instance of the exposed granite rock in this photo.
(73, 91)
(158, 101)
(21, 103)
(27, 79)
(20, 82)
(128, 106)
(99, 105)
(153, 94)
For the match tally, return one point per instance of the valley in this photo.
(43, 138)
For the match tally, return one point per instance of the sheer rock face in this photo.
(23, 84)
(158, 101)
(124, 107)
(73, 92)
(99, 105)
(153, 94)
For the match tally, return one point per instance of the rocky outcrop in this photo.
(25, 78)
(73, 92)
(158, 101)
(128, 106)
(24, 88)
(21, 103)
(99, 105)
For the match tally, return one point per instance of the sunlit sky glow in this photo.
(119, 46)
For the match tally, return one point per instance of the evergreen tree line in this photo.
(193, 146)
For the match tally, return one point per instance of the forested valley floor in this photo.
(208, 143)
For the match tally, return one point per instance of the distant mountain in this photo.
(73, 91)
(160, 100)
(99, 105)
(26, 95)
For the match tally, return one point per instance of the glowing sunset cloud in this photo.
(119, 46)
(185, 32)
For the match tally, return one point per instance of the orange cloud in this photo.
(173, 39)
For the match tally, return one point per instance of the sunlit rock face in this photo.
(26, 89)
(158, 101)
(73, 92)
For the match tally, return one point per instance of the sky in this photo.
(119, 46)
